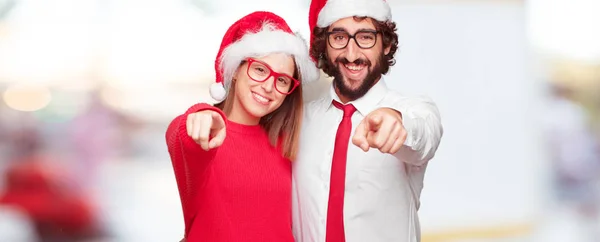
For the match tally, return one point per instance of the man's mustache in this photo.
(359, 61)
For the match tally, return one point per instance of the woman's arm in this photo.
(184, 152)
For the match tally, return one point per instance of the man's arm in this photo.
(409, 128)
(422, 122)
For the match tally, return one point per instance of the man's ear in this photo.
(321, 61)
(386, 51)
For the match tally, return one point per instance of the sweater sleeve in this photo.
(183, 149)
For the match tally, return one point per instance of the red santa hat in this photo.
(255, 35)
(323, 13)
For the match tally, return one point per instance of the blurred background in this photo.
(88, 87)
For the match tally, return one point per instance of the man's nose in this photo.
(352, 50)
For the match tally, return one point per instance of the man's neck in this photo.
(343, 99)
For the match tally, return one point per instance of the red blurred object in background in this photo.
(40, 191)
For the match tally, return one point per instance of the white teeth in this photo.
(260, 98)
(354, 68)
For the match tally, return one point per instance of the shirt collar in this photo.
(366, 103)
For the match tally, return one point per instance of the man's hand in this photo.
(206, 128)
(381, 129)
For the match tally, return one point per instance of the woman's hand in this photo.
(206, 128)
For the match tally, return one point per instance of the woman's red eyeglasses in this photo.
(260, 72)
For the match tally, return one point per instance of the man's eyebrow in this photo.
(366, 29)
(338, 29)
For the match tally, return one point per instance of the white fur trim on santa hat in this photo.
(335, 10)
(268, 41)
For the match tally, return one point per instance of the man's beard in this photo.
(372, 77)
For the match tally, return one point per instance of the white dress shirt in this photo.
(382, 190)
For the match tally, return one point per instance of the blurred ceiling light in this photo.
(47, 41)
(149, 51)
(27, 98)
(565, 29)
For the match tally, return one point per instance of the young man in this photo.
(345, 192)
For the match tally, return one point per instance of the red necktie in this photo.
(335, 209)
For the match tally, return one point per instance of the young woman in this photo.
(232, 162)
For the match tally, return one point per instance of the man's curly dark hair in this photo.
(387, 29)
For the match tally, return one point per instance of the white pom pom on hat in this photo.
(217, 91)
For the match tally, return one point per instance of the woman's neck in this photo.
(239, 115)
